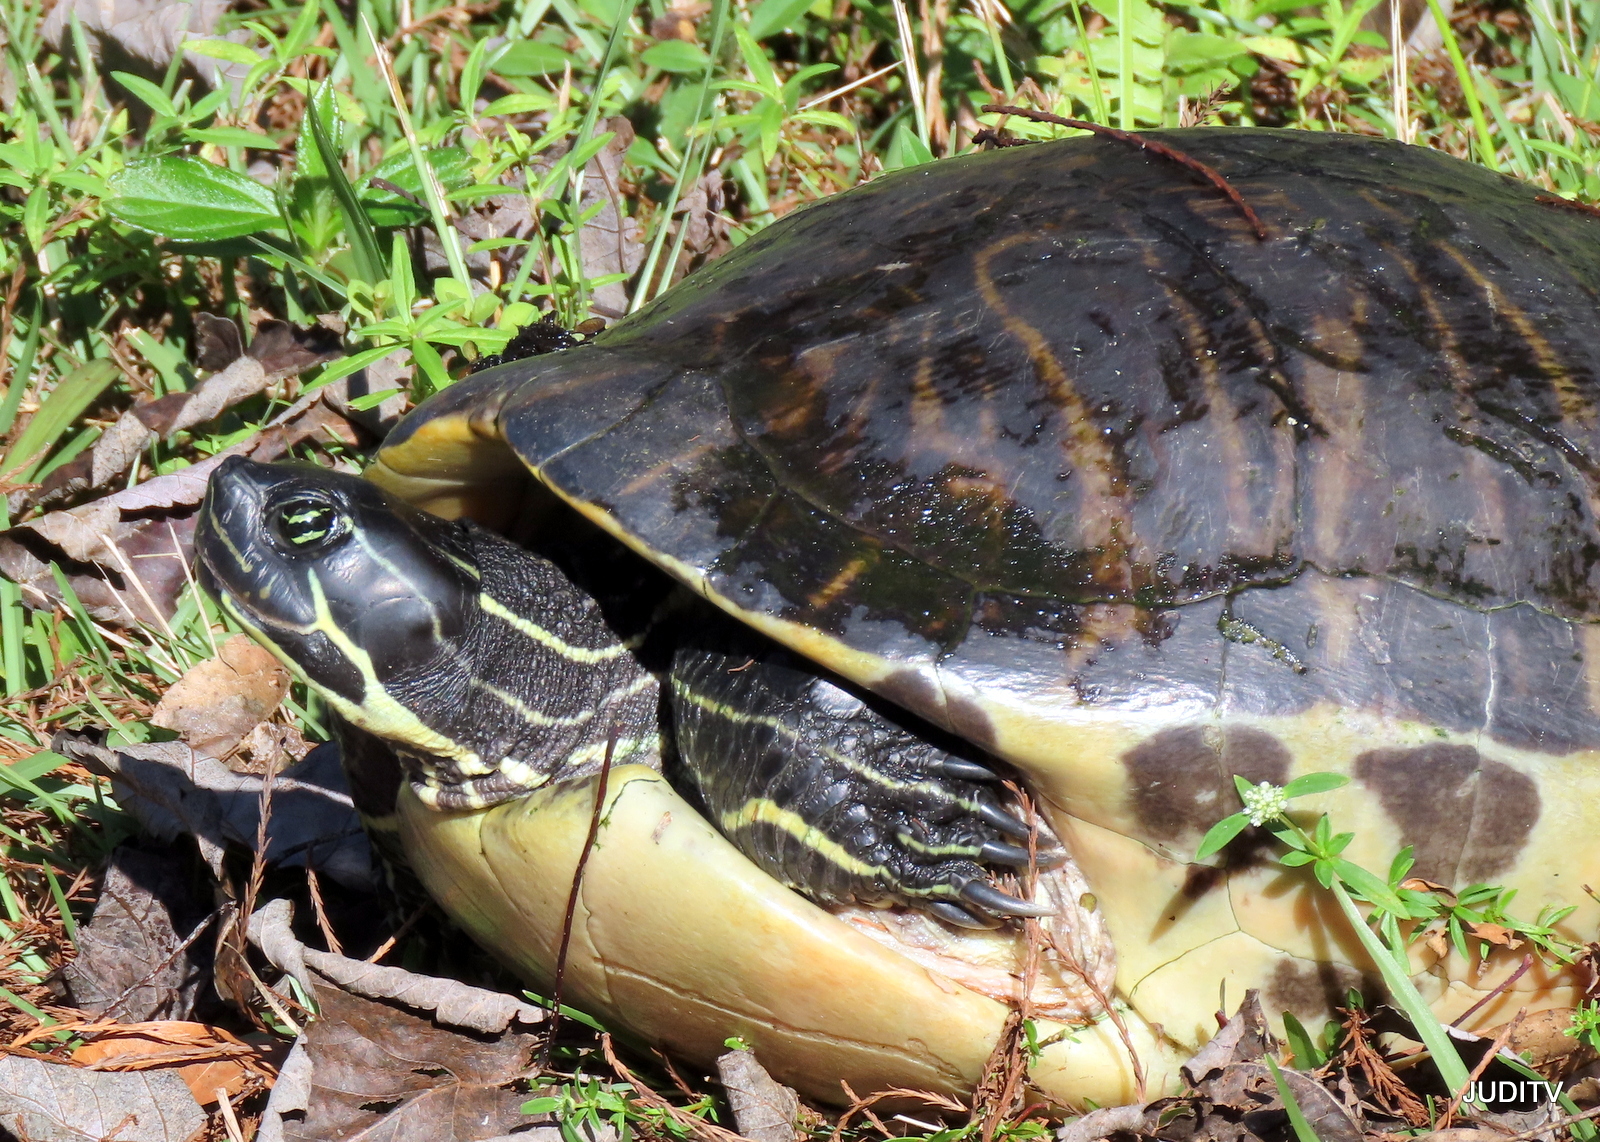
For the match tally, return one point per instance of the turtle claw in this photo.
(985, 896)
(997, 818)
(1015, 856)
(960, 917)
(948, 766)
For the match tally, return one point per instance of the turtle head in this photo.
(352, 589)
(477, 661)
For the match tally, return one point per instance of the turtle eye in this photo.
(309, 522)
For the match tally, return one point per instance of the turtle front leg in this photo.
(836, 800)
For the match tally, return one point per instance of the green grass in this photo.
(278, 197)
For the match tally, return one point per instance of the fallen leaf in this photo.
(449, 1001)
(1493, 934)
(125, 554)
(219, 701)
(380, 1072)
(174, 791)
(51, 1102)
(1543, 1039)
(207, 1058)
(131, 962)
(764, 1109)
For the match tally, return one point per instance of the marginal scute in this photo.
(1467, 817)
(1541, 696)
(1181, 778)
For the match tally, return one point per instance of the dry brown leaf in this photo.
(1543, 1039)
(55, 1102)
(1493, 934)
(221, 700)
(764, 1109)
(207, 1058)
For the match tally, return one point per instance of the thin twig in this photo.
(314, 887)
(1500, 988)
(695, 1126)
(859, 1105)
(1550, 1127)
(1477, 1072)
(399, 934)
(572, 893)
(1149, 144)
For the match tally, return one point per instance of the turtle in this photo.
(1115, 467)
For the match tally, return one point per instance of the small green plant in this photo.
(1267, 806)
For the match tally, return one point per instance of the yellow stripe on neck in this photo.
(551, 640)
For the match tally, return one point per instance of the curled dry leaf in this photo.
(279, 351)
(373, 1070)
(764, 1109)
(1545, 1041)
(219, 701)
(449, 1001)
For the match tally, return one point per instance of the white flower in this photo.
(1264, 803)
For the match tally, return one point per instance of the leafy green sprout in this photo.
(1266, 806)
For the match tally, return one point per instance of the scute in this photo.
(1030, 407)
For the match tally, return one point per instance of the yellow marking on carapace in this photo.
(1575, 406)
(553, 641)
(678, 463)
(1340, 460)
(1482, 470)
(1107, 530)
(831, 590)
(1249, 530)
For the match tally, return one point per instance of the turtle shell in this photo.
(1052, 447)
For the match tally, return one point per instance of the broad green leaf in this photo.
(36, 215)
(529, 57)
(472, 75)
(773, 16)
(186, 198)
(1274, 47)
(906, 150)
(1374, 890)
(521, 104)
(231, 137)
(1196, 49)
(1312, 783)
(147, 93)
(1220, 834)
(358, 226)
(1307, 1055)
(451, 165)
(65, 403)
(678, 56)
(351, 364)
(223, 49)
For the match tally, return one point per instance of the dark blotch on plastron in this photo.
(1182, 778)
(914, 691)
(1313, 990)
(1466, 817)
(970, 721)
